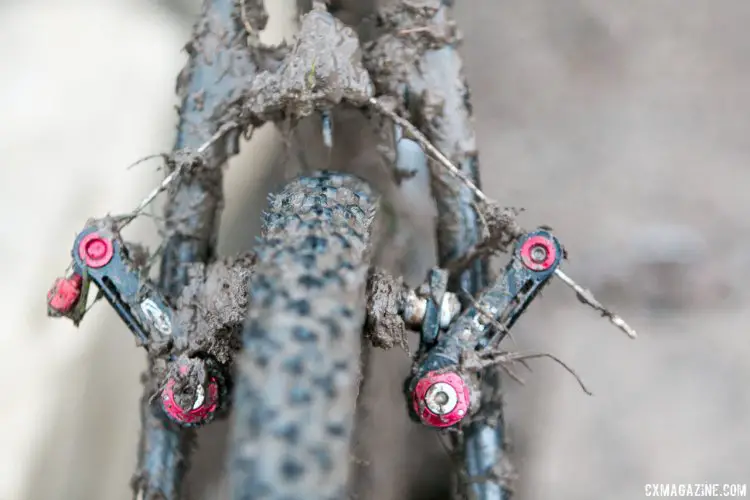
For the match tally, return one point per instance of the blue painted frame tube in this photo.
(219, 61)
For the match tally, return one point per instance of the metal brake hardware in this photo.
(101, 257)
(440, 392)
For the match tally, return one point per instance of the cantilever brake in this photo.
(440, 392)
(101, 257)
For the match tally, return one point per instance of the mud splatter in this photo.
(323, 68)
(213, 306)
(407, 30)
(222, 58)
(385, 326)
(419, 22)
(500, 230)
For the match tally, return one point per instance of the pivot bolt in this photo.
(204, 400)
(538, 253)
(441, 399)
(95, 250)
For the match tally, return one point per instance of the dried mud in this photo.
(222, 57)
(385, 326)
(406, 30)
(323, 68)
(219, 61)
(213, 306)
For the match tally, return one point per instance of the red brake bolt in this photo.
(64, 294)
(95, 250)
(202, 410)
(441, 399)
(538, 253)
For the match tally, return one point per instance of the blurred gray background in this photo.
(623, 125)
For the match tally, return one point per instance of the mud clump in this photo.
(384, 326)
(407, 30)
(322, 69)
(254, 14)
(213, 306)
(423, 23)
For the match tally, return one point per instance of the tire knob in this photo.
(441, 399)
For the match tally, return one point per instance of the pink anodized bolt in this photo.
(441, 399)
(538, 253)
(95, 250)
(203, 408)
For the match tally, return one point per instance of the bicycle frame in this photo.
(447, 384)
(207, 86)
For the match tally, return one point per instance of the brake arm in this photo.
(195, 389)
(441, 393)
(101, 253)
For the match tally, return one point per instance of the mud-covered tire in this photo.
(298, 376)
